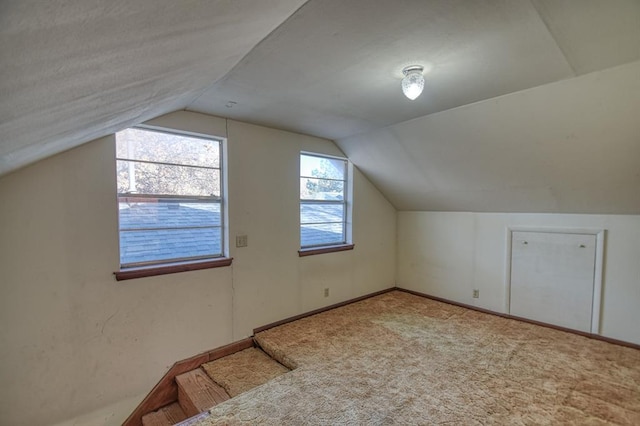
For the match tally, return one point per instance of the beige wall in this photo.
(270, 280)
(450, 254)
(76, 344)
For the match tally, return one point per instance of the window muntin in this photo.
(169, 197)
(323, 200)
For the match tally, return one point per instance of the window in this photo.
(170, 197)
(324, 201)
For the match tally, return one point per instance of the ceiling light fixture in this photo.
(413, 81)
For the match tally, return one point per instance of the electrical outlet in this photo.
(326, 292)
(476, 293)
(242, 241)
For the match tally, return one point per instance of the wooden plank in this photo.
(232, 348)
(129, 274)
(166, 391)
(197, 392)
(165, 416)
(331, 249)
(156, 418)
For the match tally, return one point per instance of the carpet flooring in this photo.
(243, 370)
(406, 360)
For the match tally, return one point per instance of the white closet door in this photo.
(552, 278)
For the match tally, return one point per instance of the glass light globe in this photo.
(413, 81)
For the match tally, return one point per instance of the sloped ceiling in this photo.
(566, 147)
(517, 114)
(75, 70)
(334, 68)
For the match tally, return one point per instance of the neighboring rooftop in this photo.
(173, 230)
(170, 231)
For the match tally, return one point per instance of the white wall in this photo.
(79, 347)
(449, 254)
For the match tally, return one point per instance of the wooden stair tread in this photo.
(168, 415)
(197, 392)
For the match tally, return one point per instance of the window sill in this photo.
(129, 274)
(322, 250)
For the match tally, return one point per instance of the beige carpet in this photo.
(243, 370)
(402, 359)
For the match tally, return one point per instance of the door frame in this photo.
(596, 305)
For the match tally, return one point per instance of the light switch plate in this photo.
(242, 241)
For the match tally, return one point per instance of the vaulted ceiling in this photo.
(508, 81)
(334, 68)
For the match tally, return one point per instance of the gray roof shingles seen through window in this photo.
(318, 231)
(201, 234)
(199, 230)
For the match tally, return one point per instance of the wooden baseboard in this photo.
(318, 311)
(513, 317)
(166, 391)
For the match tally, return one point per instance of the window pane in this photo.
(169, 244)
(323, 203)
(322, 234)
(145, 213)
(162, 179)
(149, 145)
(312, 166)
(321, 189)
(319, 213)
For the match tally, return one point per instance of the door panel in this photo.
(552, 278)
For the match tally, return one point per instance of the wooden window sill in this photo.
(129, 274)
(322, 250)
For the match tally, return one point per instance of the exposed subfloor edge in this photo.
(165, 391)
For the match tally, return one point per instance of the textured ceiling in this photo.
(74, 70)
(334, 68)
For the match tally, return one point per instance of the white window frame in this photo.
(222, 199)
(347, 201)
